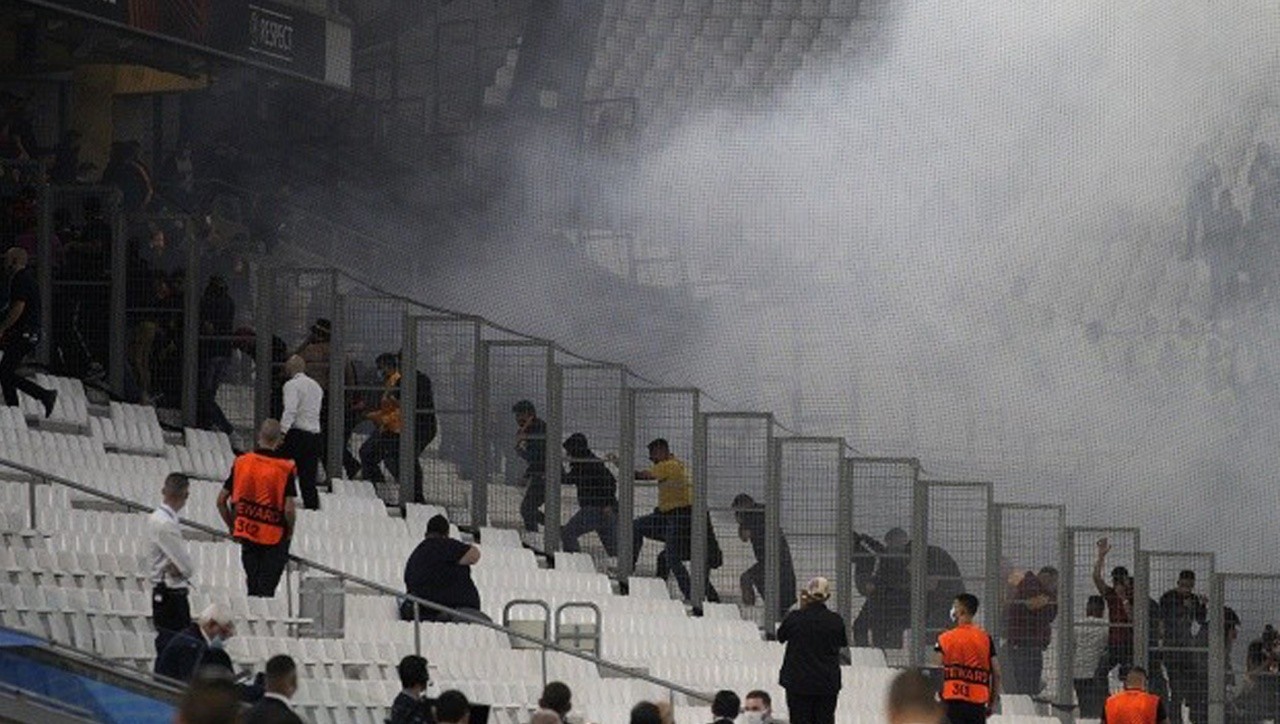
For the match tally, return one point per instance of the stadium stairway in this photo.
(79, 577)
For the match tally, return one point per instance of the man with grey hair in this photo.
(171, 565)
(198, 646)
(257, 504)
(20, 331)
(300, 422)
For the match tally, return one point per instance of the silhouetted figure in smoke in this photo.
(383, 447)
(751, 528)
(1264, 223)
(1181, 610)
(531, 446)
(597, 497)
(1222, 251)
(1205, 179)
(217, 321)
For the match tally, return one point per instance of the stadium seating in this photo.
(81, 578)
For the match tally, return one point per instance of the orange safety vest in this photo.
(258, 484)
(966, 664)
(1132, 706)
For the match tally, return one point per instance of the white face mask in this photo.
(751, 717)
(954, 616)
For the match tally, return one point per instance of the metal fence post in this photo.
(336, 425)
(407, 453)
(698, 546)
(190, 335)
(919, 571)
(1217, 650)
(627, 486)
(44, 274)
(480, 485)
(773, 582)
(1066, 607)
(554, 467)
(119, 333)
(262, 352)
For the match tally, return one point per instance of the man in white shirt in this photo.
(171, 565)
(300, 422)
(1091, 641)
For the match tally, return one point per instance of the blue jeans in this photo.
(674, 530)
(601, 519)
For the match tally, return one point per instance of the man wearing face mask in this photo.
(970, 670)
(198, 646)
(757, 708)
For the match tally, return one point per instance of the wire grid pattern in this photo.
(737, 461)
(1178, 631)
(1252, 677)
(1029, 539)
(591, 404)
(155, 313)
(956, 553)
(85, 224)
(297, 299)
(447, 351)
(1124, 551)
(516, 371)
(659, 413)
(880, 496)
(809, 477)
(372, 325)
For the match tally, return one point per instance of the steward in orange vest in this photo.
(257, 504)
(1134, 705)
(970, 671)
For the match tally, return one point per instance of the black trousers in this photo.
(965, 712)
(811, 708)
(15, 350)
(263, 566)
(305, 449)
(170, 613)
(535, 495)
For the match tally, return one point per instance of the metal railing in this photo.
(38, 476)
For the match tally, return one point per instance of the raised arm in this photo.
(1104, 547)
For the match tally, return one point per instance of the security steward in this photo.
(970, 671)
(258, 505)
(1133, 705)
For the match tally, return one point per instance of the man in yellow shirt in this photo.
(672, 521)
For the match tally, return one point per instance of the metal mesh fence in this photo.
(1105, 623)
(809, 477)
(657, 514)
(1029, 550)
(591, 406)
(735, 469)
(370, 341)
(84, 223)
(877, 501)
(1178, 636)
(520, 433)
(1245, 658)
(445, 359)
(952, 519)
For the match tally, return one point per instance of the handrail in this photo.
(346, 577)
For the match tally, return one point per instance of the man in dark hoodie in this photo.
(597, 497)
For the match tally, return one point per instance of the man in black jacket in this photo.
(409, 706)
(810, 673)
(198, 646)
(275, 706)
(597, 497)
(724, 707)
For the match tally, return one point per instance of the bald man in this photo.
(257, 504)
(20, 331)
(300, 423)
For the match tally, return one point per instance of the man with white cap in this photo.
(198, 646)
(814, 635)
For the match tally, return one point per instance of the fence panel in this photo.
(445, 365)
(522, 427)
(875, 600)
(1178, 634)
(1103, 633)
(652, 414)
(371, 340)
(1029, 559)
(953, 520)
(809, 475)
(736, 467)
(591, 405)
(1244, 659)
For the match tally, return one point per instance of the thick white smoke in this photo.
(968, 251)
